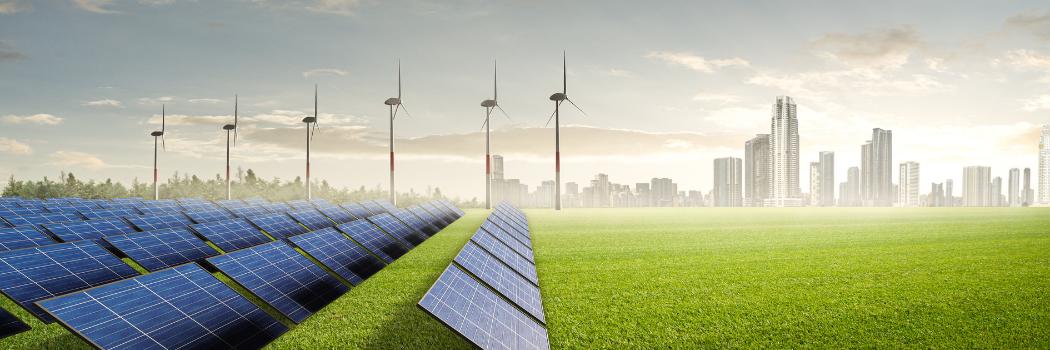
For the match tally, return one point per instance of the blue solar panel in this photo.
(4, 224)
(279, 226)
(339, 254)
(159, 209)
(91, 229)
(209, 215)
(158, 221)
(193, 200)
(414, 222)
(505, 213)
(385, 204)
(373, 207)
(373, 239)
(199, 206)
(495, 223)
(283, 278)
(479, 315)
(320, 202)
(33, 274)
(395, 228)
(311, 218)
(502, 279)
(69, 208)
(129, 199)
(160, 202)
(440, 212)
(452, 207)
(39, 219)
(337, 214)
(114, 205)
(229, 203)
(300, 204)
(247, 210)
(278, 207)
(360, 212)
(508, 239)
(11, 325)
(110, 213)
(231, 235)
(182, 308)
(22, 237)
(255, 201)
(161, 249)
(426, 217)
(492, 245)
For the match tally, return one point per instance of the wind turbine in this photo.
(392, 102)
(155, 134)
(309, 139)
(489, 106)
(558, 98)
(229, 127)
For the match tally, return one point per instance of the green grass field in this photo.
(722, 278)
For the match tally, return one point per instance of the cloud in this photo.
(296, 118)
(616, 72)
(15, 6)
(324, 72)
(881, 48)
(7, 53)
(71, 158)
(697, 63)
(14, 147)
(1035, 104)
(1032, 21)
(715, 96)
(205, 100)
(94, 5)
(179, 119)
(338, 7)
(36, 118)
(863, 80)
(106, 102)
(157, 100)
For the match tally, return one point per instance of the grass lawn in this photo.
(720, 278)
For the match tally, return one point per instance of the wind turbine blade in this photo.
(551, 118)
(162, 118)
(234, 137)
(234, 111)
(495, 91)
(162, 143)
(564, 76)
(504, 112)
(399, 80)
(402, 105)
(577, 107)
(483, 124)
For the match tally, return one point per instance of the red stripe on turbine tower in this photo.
(154, 175)
(557, 161)
(488, 166)
(307, 170)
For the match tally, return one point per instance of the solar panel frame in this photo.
(161, 249)
(195, 206)
(159, 209)
(277, 207)
(508, 256)
(32, 274)
(248, 210)
(208, 215)
(38, 220)
(452, 207)
(508, 240)
(373, 207)
(231, 235)
(280, 276)
(337, 214)
(278, 225)
(311, 218)
(397, 229)
(300, 204)
(427, 217)
(357, 210)
(226, 203)
(184, 301)
(115, 205)
(385, 204)
(415, 223)
(440, 212)
(339, 254)
(255, 201)
(11, 325)
(22, 237)
(70, 208)
(495, 223)
(320, 202)
(375, 240)
(158, 221)
(91, 229)
(502, 279)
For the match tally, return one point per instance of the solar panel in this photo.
(255, 201)
(21, 211)
(33, 274)
(523, 266)
(278, 207)
(502, 279)
(320, 202)
(283, 278)
(91, 229)
(199, 206)
(229, 203)
(339, 254)
(22, 237)
(130, 199)
(414, 222)
(4, 224)
(494, 222)
(231, 235)
(209, 215)
(158, 221)
(69, 208)
(358, 210)
(161, 249)
(114, 205)
(508, 212)
(373, 207)
(182, 308)
(110, 213)
(507, 238)
(337, 214)
(452, 207)
(278, 226)
(441, 212)
(39, 219)
(398, 230)
(159, 209)
(160, 202)
(247, 210)
(385, 204)
(373, 239)
(479, 315)
(311, 218)
(11, 325)
(300, 204)
(193, 200)
(426, 217)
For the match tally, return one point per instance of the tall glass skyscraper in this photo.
(1044, 166)
(783, 148)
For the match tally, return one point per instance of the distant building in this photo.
(1027, 195)
(784, 187)
(662, 192)
(1044, 166)
(936, 196)
(727, 184)
(827, 179)
(877, 169)
(909, 184)
(977, 186)
(1013, 192)
(643, 194)
(756, 170)
(814, 184)
(949, 200)
(601, 190)
(849, 196)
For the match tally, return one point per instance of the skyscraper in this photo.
(936, 197)
(644, 194)
(783, 147)
(727, 184)
(949, 199)
(756, 170)
(909, 184)
(827, 179)
(852, 193)
(996, 193)
(1027, 197)
(1013, 192)
(661, 192)
(602, 191)
(977, 186)
(1044, 165)
(877, 169)
(814, 184)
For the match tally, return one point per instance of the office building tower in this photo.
(949, 199)
(727, 182)
(1044, 166)
(644, 194)
(756, 170)
(977, 186)
(936, 197)
(601, 190)
(827, 179)
(996, 193)
(661, 192)
(497, 167)
(814, 184)
(1027, 197)
(784, 187)
(909, 185)
(1013, 192)
(877, 169)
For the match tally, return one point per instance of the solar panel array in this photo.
(161, 249)
(357, 209)
(209, 215)
(489, 295)
(279, 226)
(398, 230)
(91, 229)
(311, 218)
(11, 325)
(231, 235)
(333, 250)
(22, 237)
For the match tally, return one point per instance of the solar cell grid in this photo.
(283, 278)
(11, 325)
(91, 229)
(320, 202)
(300, 204)
(114, 205)
(339, 254)
(110, 213)
(508, 240)
(182, 308)
(522, 266)
(385, 204)
(158, 221)
(4, 224)
(311, 218)
(229, 203)
(231, 235)
(509, 226)
(69, 208)
(414, 222)
(358, 210)
(278, 207)
(192, 200)
(160, 202)
(247, 210)
(129, 199)
(279, 226)
(442, 214)
(20, 211)
(22, 237)
(337, 214)
(373, 239)
(452, 207)
(373, 207)
(398, 230)
(427, 217)
(161, 249)
(479, 315)
(502, 279)
(199, 206)
(209, 215)
(255, 201)
(159, 209)
(40, 219)
(33, 274)
(493, 228)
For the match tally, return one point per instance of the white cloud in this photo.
(14, 147)
(864, 80)
(15, 6)
(94, 5)
(879, 49)
(616, 72)
(36, 118)
(106, 102)
(179, 119)
(697, 63)
(205, 100)
(338, 7)
(90, 161)
(324, 72)
(1035, 104)
(296, 118)
(157, 100)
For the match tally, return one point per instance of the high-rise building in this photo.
(865, 171)
(909, 185)
(545, 194)
(1026, 195)
(601, 190)
(852, 193)
(814, 184)
(877, 169)
(827, 179)
(661, 192)
(949, 199)
(727, 184)
(977, 186)
(756, 170)
(784, 187)
(1013, 192)
(497, 167)
(996, 193)
(644, 194)
(936, 197)
(1044, 165)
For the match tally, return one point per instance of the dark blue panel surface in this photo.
(414, 222)
(110, 213)
(114, 205)
(311, 218)
(158, 221)
(320, 202)
(279, 226)
(502, 279)
(160, 202)
(40, 219)
(494, 223)
(69, 208)
(508, 239)
(278, 207)
(33, 274)
(440, 212)
(229, 203)
(339, 254)
(11, 325)
(428, 218)
(385, 204)
(209, 215)
(337, 214)
(373, 207)
(395, 228)
(193, 200)
(479, 315)
(231, 235)
(91, 229)
(182, 308)
(300, 204)
(492, 245)
(248, 210)
(161, 249)
(283, 278)
(255, 201)
(358, 210)
(158, 209)
(374, 239)
(199, 206)
(452, 207)
(21, 211)
(22, 237)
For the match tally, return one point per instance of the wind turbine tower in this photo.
(558, 98)
(156, 134)
(311, 126)
(228, 128)
(395, 103)
(489, 106)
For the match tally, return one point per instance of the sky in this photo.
(667, 86)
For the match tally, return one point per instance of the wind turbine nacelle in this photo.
(157, 133)
(229, 127)
(393, 101)
(309, 120)
(559, 97)
(488, 103)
